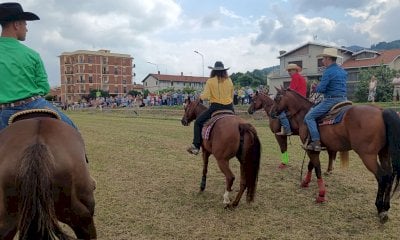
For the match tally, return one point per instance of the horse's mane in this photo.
(298, 94)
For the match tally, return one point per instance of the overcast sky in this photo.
(244, 34)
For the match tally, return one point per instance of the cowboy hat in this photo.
(291, 66)
(329, 52)
(13, 12)
(218, 66)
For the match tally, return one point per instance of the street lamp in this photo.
(154, 65)
(202, 59)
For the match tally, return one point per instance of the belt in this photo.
(19, 102)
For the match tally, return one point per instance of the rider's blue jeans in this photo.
(284, 122)
(317, 111)
(6, 113)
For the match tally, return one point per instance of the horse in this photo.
(44, 179)
(230, 136)
(262, 101)
(368, 130)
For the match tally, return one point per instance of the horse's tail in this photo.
(392, 124)
(250, 158)
(37, 217)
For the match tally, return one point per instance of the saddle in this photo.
(217, 115)
(335, 114)
(33, 113)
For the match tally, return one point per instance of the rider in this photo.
(298, 84)
(24, 78)
(219, 91)
(333, 86)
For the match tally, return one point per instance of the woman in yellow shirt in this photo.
(219, 91)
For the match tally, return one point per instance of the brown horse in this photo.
(44, 179)
(230, 137)
(262, 101)
(368, 130)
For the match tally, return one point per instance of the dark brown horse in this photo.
(44, 179)
(262, 101)
(368, 130)
(230, 137)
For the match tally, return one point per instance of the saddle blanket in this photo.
(205, 132)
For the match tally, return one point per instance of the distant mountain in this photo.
(377, 47)
(386, 45)
(355, 48)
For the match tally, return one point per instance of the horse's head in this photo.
(260, 100)
(190, 111)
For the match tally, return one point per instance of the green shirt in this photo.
(22, 73)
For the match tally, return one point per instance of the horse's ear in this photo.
(256, 93)
(278, 90)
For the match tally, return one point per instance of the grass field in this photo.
(148, 187)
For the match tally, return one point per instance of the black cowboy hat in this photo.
(13, 12)
(218, 66)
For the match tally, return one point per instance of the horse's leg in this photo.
(206, 156)
(81, 219)
(8, 224)
(242, 187)
(332, 157)
(223, 165)
(315, 163)
(307, 178)
(282, 141)
(385, 181)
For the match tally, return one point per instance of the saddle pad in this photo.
(205, 132)
(334, 116)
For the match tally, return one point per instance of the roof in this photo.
(316, 44)
(177, 78)
(384, 57)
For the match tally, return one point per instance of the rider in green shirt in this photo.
(23, 78)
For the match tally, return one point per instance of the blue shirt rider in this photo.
(333, 87)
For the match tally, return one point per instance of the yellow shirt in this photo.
(218, 91)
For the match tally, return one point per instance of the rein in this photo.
(302, 166)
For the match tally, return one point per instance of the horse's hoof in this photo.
(383, 217)
(327, 173)
(304, 185)
(229, 207)
(320, 199)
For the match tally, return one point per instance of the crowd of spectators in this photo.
(241, 96)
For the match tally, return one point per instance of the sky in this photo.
(164, 34)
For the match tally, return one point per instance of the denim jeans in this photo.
(318, 111)
(284, 122)
(6, 113)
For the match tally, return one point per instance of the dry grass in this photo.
(148, 187)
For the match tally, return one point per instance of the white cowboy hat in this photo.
(291, 66)
(329, 52)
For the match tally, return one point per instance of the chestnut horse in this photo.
(230, 137)
(366, 129)
(261, 100)
(44, 179)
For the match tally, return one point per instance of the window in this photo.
(124, 89)
(90, 79)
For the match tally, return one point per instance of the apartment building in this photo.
(156, 82)
(83, 71)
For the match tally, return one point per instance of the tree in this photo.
(94, 93)
(384, 89)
